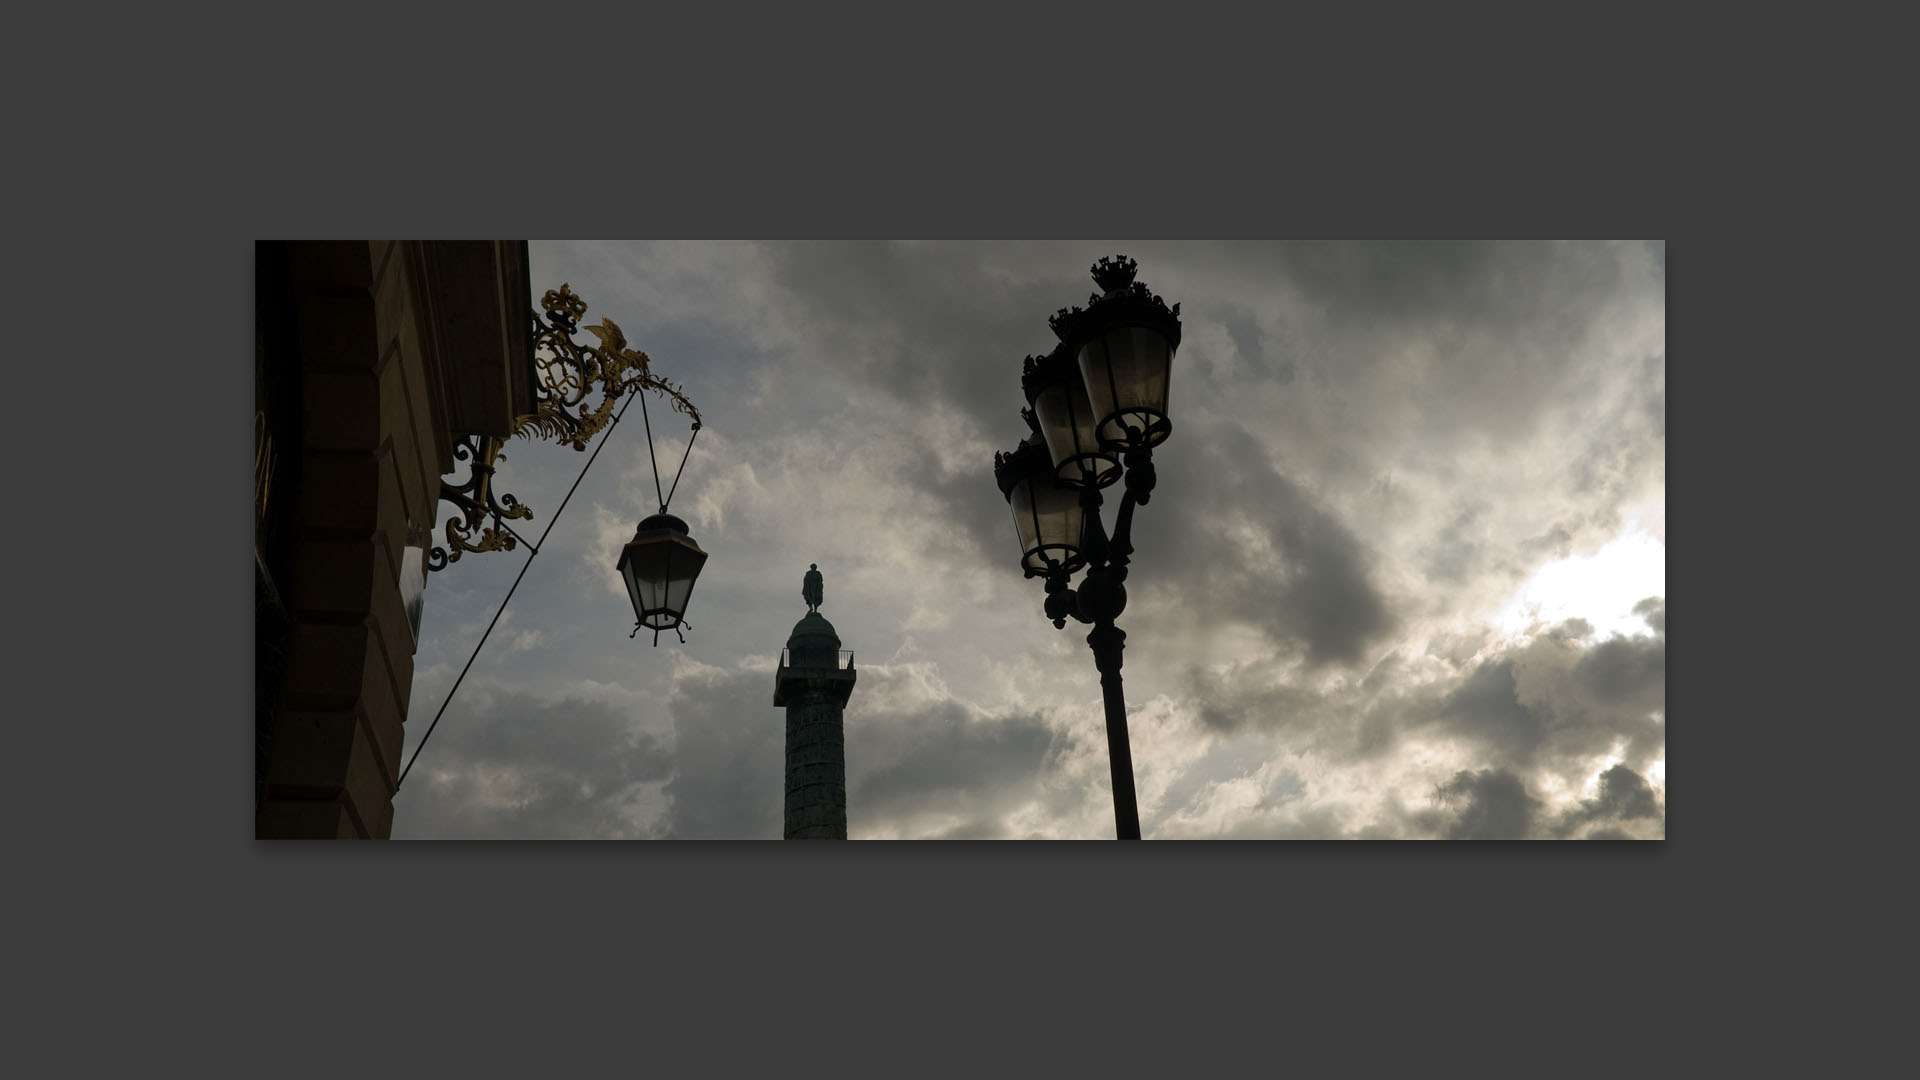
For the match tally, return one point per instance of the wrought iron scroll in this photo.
(566, 374)
(475, 499)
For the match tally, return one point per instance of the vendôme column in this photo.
(812, 686)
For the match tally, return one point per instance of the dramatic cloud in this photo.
(1654, 610)
(1402, 577)
(524, 768)
(728, 758)
(1494, 805)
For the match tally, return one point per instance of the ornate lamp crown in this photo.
(1121, 297)
(1011, 467)
(1038, 372)
(1114, 273)
(1125, 301)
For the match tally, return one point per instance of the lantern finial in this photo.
(1115, 273)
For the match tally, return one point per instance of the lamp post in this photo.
(1097, 406)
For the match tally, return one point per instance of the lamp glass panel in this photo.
(1066, 423)
(633, 586)
(1126, 370)
(1048, 520)
(660, 575)
(679, 585)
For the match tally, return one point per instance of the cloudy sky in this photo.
(1403, 575)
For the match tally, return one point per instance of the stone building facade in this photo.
(373, 359)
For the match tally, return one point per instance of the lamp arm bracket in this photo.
(1093, 533)
(1062, 601)
(1122, 545)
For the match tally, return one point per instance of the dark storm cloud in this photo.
(525, 768)
(1624, 799)
(946, 322)
(729, 758)
(1427, 284)
(1310, 591)
(978, 512)
(1547, 707)
(1654, 610)
(1485, 708)
(1572, 630)
(1251, 699)
(1549, 702)
(903, 350)
(1492, 804)
(1626, 673)
(1443, 375)
(944, 759)
(909, 762)
(1625, 794)
(1351, 724)
(1489, 324)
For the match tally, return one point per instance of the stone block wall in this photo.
(369, 477)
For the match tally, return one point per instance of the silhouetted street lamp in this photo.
(1097, 407)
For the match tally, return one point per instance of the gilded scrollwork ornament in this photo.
(467, 531)
(566, 374)
(570, 371)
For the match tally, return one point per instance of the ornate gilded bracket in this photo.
(570, 371)
(476, 501)
(567, 372)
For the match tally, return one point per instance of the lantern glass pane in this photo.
(1048, 519)
(679, 586)
(1066, 423)
(633, 584)
(660, 572)
(1126, 370)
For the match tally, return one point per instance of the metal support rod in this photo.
(1100, 599)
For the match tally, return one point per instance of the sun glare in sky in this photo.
(1601, 588)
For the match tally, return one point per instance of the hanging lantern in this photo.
(659, 565)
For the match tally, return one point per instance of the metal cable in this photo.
(677, 472)
(516, 584)
(642, 395)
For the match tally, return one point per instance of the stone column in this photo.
(816, 767)
(814, 689)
